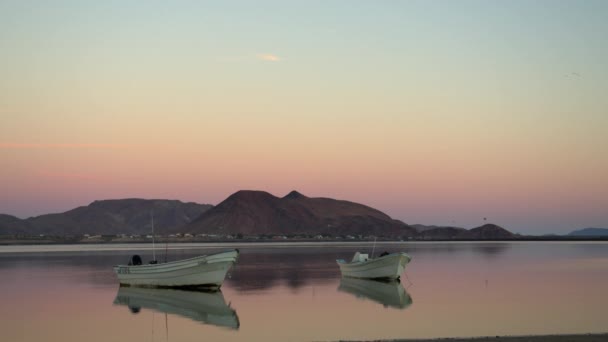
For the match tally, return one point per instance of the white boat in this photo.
(206, 271)
(388, 266)
(388, 293)
(204, 307)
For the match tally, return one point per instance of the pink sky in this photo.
(433, 116)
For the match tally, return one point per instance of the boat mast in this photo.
(153, 246)
(374, 248)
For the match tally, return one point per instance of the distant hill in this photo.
(11, 225)
(246, 212)
(442, 233)
(486, 232)
(257, 212)
(421, 227)
(590, 232)
(122, 216)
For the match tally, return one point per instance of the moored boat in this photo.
(206, 271)
(386, 266)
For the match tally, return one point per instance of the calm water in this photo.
(69, 293)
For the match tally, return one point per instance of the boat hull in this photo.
(386, 267)
(207, 271)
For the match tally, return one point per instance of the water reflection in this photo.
(491, 250)
(388, 293)
(259, 270)
(297, 294)
(205, 307)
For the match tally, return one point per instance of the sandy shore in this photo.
(543, 338)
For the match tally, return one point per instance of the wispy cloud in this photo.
(268, 57)
(64, 145)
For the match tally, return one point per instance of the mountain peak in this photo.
(250, 195)
(490, 226)
(490, 231)
(294, 195)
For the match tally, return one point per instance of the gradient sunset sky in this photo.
(435, 112)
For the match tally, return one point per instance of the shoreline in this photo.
(50, 241)
(599, 337)
(147, 246)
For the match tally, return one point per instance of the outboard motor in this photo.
(134, 309)
(135, 260)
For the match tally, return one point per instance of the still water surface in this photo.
(295, 293)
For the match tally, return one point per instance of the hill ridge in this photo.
(589, 232)
(251, 212)
(111, 216)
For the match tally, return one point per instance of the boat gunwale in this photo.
(175, 262)
(368, 261)
(186, 266)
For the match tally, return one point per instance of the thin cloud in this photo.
(268, 57)
(54, 146)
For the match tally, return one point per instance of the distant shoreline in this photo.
(602, 337)
(70, 241)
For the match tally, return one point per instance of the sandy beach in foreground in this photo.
(540, 338)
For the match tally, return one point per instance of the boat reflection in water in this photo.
(200, 306)
(388, 293)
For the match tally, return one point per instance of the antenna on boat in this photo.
(153, 246)
(166, 247)
(374, 248)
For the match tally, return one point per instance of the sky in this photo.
(435, 112)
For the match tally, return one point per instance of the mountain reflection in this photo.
(204, 307)
(259, 270)
(490, 250)
(388, 293)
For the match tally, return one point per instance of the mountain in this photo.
(442, 233)
(11, 225)
(590, 232)
(251, 212)
(486, 232)
(421, 227)
(123, 216)
(246, 212)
